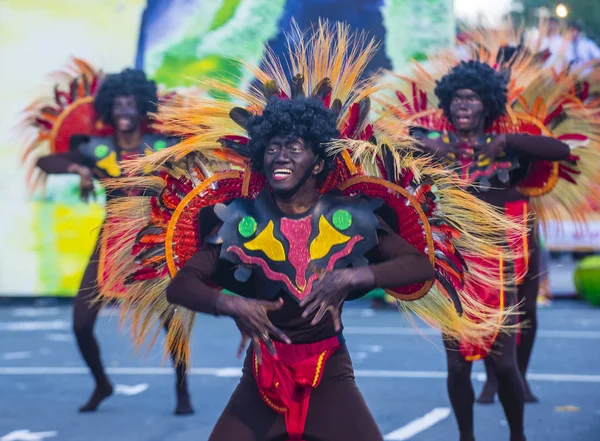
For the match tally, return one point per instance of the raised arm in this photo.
(70, 162)
(189, 289)
(58, 163)
(400, 263)
(432, 142)
(535, 147)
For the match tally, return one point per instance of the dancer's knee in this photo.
(504, 367)
(82, 327)
(83, 320)
(458, 372)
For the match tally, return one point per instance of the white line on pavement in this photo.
(59, 337)
(371, 348)
(124, 389)
(52, 325)
(35, 312)
(419, 425)
(27, 435)
(227, 372)
(60, 325)
(16, 355)
(395, 330)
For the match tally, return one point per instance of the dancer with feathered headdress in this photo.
(100, 121)
(299, 200)
(519, 139)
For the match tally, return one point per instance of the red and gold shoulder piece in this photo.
(552, 106)
(171, 235)
(67, 111)
(51, 120)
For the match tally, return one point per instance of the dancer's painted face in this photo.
(287, 162)
(125, 113)
(466, 111)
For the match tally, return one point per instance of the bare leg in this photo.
(84, 317)
(460, 390)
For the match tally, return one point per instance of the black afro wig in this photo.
(490, 85)
(305, 118)
(128, 82)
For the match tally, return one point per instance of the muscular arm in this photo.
(68, 162)
(398, 264)
(188, 287)
(537, 147)
(434, 146)
(401, 263)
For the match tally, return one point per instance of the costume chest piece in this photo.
(104, 154)
(290, 253)
(475, 166)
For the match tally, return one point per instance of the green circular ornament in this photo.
(101, 150)
(160, 144)
(434, 135)
(342, 220)
(247, 226)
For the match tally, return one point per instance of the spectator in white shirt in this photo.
(583, 50)
(557, 45)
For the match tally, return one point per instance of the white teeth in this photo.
(282, 171)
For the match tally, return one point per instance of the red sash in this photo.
(286, 380)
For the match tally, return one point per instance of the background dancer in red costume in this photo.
(504, 46)
(503, 162)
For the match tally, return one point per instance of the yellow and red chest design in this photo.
(475, 165)
(291, 253)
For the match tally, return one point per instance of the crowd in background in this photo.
(568, 45)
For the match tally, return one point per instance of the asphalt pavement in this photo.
(401, 374)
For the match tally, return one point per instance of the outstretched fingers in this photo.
(313, 301)
(337, 318)
(269, 305)
(279, 333)
(323, 308)
(242, 346)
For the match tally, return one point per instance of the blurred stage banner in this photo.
(45, 242)
(571, 237)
